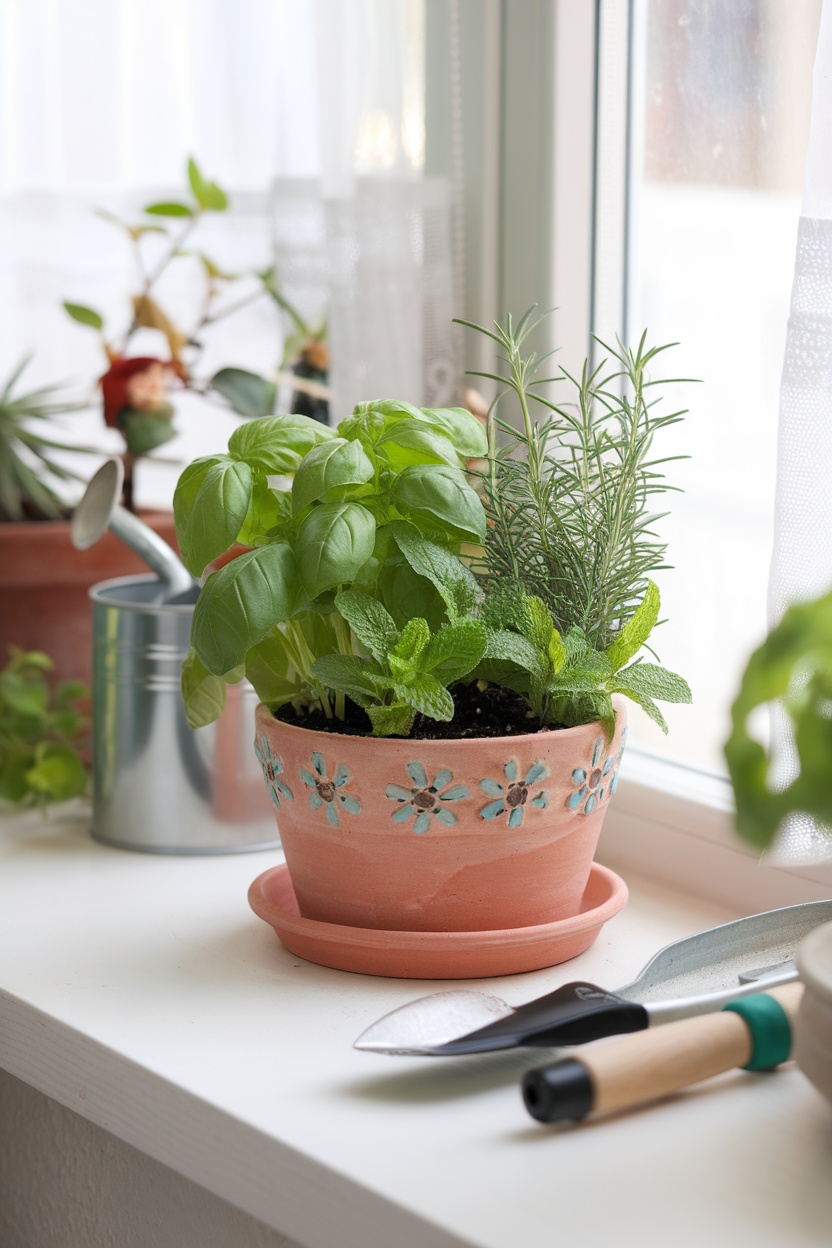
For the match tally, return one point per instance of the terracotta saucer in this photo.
(436, 955)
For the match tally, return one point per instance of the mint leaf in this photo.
(513, 648)
(369, 620)
(412, 641)
(655, 682)
(391, 721)
(361, 679)
(455, 582)
(537, 626)
(637, 629)
(454, 651)
(428, 696)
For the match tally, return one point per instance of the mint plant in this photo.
(564, 679)
(410, 669)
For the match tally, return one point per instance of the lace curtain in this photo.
(310, 112)
(802, 560)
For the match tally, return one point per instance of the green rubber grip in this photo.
(771, 1032)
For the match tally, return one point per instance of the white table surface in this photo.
(142, 992)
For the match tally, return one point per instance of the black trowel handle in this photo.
(573, 1014)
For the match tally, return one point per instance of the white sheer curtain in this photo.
(310, 112)
(802, 560)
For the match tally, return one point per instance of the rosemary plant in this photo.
(569, 495)
(570, 542)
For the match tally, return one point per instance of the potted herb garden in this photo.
(441, 655)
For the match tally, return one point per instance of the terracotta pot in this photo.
(464, 835)
(44, 583)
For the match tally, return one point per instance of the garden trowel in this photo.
(692, 976)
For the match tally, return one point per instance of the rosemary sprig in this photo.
(570, 494)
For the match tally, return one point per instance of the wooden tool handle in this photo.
(629, 1070)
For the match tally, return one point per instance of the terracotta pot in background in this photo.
(445, 836)
(44, 583)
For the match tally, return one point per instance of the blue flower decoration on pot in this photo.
(327, 793)
(272, 765)
(425, 800)
(592, 784)
(512, 797)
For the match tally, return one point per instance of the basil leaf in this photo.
(239, 604)
(410, 442)
(202, 692)
(209, 508)
(269, 516)
(405, 594)
(333, 542)
(276, 444)
(333, 463)
(270, 671)
(464, 430)
(439, 499)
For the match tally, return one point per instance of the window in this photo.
(703, 117)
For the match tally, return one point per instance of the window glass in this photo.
(720, 105)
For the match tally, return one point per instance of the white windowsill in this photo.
(675, 825)
(140, 992)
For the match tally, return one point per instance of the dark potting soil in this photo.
(489, 712)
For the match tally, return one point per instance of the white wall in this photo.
(66, 1183)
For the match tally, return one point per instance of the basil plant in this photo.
(353, 586)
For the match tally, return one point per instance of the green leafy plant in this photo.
(565, 680)
(40, 734)
(28, 469)
(378, 507)
(792, 669)
(355, 587)
(410, 668)
(136, 390)
(570, 538)
(570, 495)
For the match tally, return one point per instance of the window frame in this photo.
(552, 147)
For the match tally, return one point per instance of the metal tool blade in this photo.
(692, 975)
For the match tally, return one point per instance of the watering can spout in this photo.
(99, 510)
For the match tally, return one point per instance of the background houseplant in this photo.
(43, 736)
(355, 611)
(43, 579)
(792, 670)
(137, 389)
